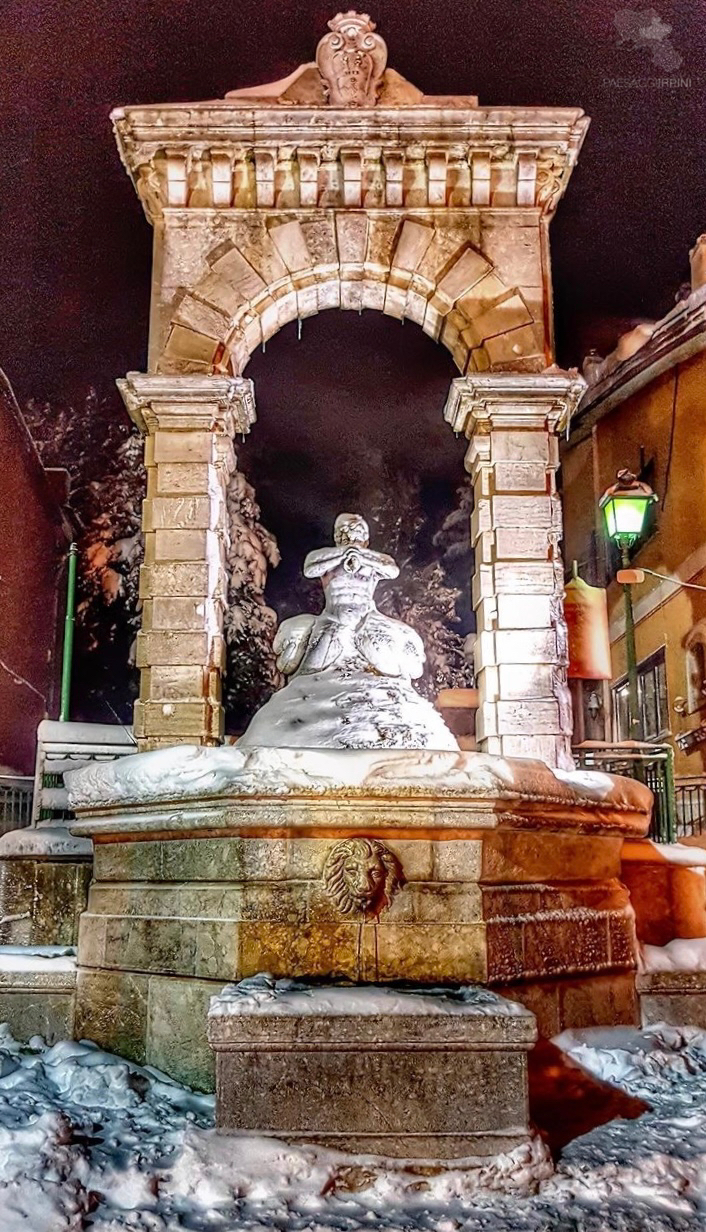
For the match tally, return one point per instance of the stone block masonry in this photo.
(374, 1071)
(189, 425)
(511, 421)
(511, 882)
(274, 204)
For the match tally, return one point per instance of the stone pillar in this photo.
(511, 421)
(189, 424)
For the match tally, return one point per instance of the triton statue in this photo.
(351, 668)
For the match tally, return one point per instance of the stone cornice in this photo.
(189, 402)
(676, 337)
(226, 155)
(512, 400)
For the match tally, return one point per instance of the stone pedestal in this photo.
(37, 993)
(189, 424)
(676, 997)
(44, 878)
(521, 651)
(372, 1071)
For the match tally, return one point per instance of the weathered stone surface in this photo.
(190, 423)
(578, 1001)
(676, 997)
(42, 900)
(511, 422)
(30, 1009)
(270, 207)
(175, 1034)
(111, 1010)
(669, 900)
(438, 1085)
(498, 900)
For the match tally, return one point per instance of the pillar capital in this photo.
(189, 403)
(483, 402)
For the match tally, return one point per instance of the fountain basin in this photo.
(212, 865)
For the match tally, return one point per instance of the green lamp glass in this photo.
(625, 506)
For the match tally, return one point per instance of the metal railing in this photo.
(652, 764)
(690, 794)
(16, 795)
(68, 746)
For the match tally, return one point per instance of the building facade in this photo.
(34, 537)
(645, 410)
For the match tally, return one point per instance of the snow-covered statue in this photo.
(351, 668)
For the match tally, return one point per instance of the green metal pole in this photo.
(631, 660)
(670, 793)
(631, 656)
(69, 622)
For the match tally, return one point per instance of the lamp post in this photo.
(625, 506)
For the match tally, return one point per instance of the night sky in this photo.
(76, 250)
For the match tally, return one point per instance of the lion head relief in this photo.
(362, 876)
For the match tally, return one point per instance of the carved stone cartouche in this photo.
(352, 60)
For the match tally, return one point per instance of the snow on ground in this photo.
(88, 1141)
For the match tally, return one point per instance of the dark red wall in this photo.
(33, 547)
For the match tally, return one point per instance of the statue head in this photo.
(361, 876)
(350, 530)
(350, 557)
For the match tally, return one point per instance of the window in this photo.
(652, 699)
(695, 646)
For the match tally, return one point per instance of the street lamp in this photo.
(625, 506)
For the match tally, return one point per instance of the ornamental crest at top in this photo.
(347, 131)
(352, 60)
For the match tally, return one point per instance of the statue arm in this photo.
(291, 640)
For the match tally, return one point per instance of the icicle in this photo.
(264, 346)
(299, 329)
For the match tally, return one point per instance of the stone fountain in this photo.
(347, 838)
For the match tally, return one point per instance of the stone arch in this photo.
(408, 268)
